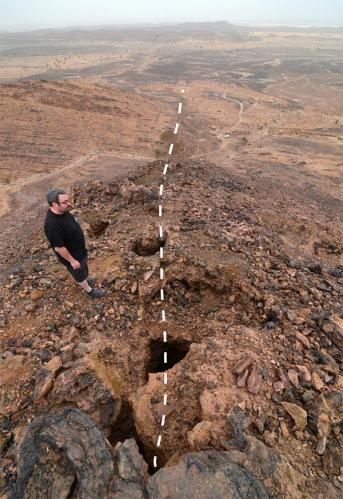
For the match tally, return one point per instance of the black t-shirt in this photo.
(63, 230)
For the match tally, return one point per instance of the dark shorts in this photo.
(80, 274)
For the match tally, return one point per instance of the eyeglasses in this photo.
(64, 202)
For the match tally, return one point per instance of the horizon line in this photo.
(33, 27)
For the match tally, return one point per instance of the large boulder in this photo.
(209, 474)
(63, 455)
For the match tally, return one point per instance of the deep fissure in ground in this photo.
(176, 351)
(124, 429)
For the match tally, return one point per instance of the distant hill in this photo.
(298, 29)
(52, 39)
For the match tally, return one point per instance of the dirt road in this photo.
(223, 145)
(241, 109)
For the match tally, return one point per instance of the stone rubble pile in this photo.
(259, 389)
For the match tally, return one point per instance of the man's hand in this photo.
(75, 264)
(67, 256)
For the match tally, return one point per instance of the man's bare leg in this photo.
(84, 285)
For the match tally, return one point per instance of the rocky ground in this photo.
(253, 281)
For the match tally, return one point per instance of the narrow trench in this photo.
(124, 429)
(74, 489)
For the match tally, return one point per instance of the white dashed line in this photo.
(163, 313)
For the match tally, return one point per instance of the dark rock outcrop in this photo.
(64, 455)
(208, 474)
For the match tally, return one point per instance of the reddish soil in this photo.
(253, 253)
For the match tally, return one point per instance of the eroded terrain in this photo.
(253, 263)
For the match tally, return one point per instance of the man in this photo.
(68, 241)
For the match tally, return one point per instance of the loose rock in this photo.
(298, 414)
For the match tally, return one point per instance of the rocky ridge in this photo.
(255, 331)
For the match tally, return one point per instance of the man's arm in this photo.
(67, 256)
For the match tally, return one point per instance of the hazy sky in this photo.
(51, 13)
